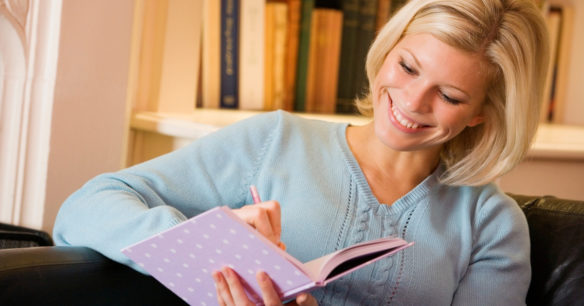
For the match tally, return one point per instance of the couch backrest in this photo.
(556, 228)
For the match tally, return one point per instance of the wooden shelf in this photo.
(552, 141)
(559, 142)
(203, 121)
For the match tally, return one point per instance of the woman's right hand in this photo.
(265, 218)
(230, 291)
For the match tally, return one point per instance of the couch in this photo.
(53, 275)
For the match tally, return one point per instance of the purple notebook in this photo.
(183, 258)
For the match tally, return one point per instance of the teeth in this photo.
(403, 121)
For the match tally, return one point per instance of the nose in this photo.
(417, 98)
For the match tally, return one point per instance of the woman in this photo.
(455, 92)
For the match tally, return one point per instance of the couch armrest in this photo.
(74, 276)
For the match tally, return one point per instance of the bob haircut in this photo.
(512, 38)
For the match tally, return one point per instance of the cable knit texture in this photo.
(471, 243)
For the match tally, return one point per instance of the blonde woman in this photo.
(454, 94)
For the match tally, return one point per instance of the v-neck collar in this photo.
(401, 204)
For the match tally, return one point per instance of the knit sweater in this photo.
(471, 243)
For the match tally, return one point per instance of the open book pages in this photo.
(332, 266)
(184, 257)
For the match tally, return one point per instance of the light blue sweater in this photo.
(471, 243)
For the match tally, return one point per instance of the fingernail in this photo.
(227, 272)
(262, 276)
(301, 298)
(216, 276)
(282, 245)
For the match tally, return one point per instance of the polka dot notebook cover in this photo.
(184, 257)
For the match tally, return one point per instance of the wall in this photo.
(89, 112)
(543, 176)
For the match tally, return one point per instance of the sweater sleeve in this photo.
(499, 271)
(115, 210)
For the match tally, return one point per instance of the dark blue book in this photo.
(229, 53)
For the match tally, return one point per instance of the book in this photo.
(292, 36)
(366, 34)
(323, 60)
(383, 13)
(184, 257)
(346, 93)
(396, 5)
(553, 21)
(179, 71)
(229, 54)
(151, 49)
(302, 60)
(169, 56)
(211, 77)
(560, 110)
(275, 54)
(251, 54)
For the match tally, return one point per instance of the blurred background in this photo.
(88, 87)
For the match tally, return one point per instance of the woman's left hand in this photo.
(230, 290)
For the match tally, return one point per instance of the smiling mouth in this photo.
(403, 121)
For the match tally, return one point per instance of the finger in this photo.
(223, 294)
(263, 216)
(269, 293)
(306, 299)
(235, 287)
(274, 214)
(262, 223)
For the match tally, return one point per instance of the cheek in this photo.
(388, 75)
(455, 121)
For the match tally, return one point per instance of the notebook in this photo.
(184, 257)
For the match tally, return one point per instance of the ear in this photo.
(476, 120)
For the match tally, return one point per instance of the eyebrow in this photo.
(420, 65)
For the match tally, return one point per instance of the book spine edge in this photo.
(229, 51)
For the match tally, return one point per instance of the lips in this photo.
(401, 121)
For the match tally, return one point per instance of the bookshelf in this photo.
(565, 18)
(156, 128)
(553, 141)
(156, 133)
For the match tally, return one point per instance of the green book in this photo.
(365, 34)
(346, 92)
(303, 48)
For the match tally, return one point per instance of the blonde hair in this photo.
(512, 38)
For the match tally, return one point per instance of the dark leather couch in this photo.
(80, 276)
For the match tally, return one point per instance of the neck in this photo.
(384, 166)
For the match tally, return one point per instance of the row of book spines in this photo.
(249, 53)
(306, 47)
(290, 42)
(268, 76)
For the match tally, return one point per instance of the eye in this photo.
(407, 68)
(449, 99)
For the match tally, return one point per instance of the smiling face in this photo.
(426, 93)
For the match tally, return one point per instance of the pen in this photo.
(254, 194)
(256, 199)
